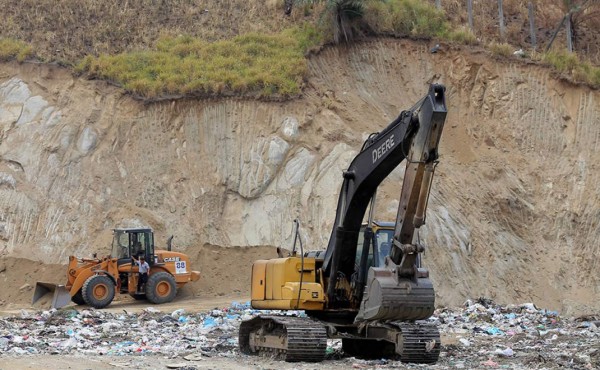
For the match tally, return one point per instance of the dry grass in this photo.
(117, 39)
(14, 49)
(69, 30)
(548, 15)
(265, 66)
(461, 35)
(501, 49)
(405, 18)
(570, 64)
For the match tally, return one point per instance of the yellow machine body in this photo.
(286, 284)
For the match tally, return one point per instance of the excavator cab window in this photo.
(359, 248)
(383, 242)
(383, 238)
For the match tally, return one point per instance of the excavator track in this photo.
(288, 338)
(420, 342)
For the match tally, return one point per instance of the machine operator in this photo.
(144, 268)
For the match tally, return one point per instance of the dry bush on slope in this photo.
(68, 30)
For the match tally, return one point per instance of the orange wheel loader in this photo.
(94, 281)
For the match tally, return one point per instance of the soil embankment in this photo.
(513, 213)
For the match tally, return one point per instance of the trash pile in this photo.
(95, 332)
(481, 334)
(485, 335)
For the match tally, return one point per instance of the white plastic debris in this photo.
(464, 342)
(488, 335)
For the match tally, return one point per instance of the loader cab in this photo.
(380, 246)
(133, 242)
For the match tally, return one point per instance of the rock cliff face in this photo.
(513, 212)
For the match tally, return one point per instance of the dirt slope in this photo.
(225, 276)
(512, 216)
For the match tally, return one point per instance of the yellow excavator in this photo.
(368, 287)
(94, 281)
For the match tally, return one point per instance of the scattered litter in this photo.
(177, 313)
(177, 366)
(193, 357)
(508, 352)
(481, 334)
(151, 310)
(464, 342)
(120, 364)
(489, 363)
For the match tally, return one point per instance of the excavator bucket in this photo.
(57, 295)
(388, 297)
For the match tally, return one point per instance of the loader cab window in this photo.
(142, 244)
(120, 246)
(133, 243)
(137, 248)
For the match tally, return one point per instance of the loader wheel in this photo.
(161, 288)
(78, 298)
(98, 291)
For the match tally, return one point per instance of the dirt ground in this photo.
(218, 288)
(225, 277)
(155, 362)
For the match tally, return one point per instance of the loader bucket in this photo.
(58, 295)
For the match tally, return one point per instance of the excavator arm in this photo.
(414, 136)
(421, 161)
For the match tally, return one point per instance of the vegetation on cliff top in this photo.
(252, 64)
(192, 48)
(14, 49)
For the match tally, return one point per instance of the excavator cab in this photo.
(379, 246)
(133, 242)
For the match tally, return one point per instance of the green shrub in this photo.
(563, 61)
(503, 49)
(250, 64)
(461, 35)
(405, 18)
(14, 49)
(307, 36)
(595, 76)
(569, 63)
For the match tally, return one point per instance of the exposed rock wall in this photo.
(513, 213)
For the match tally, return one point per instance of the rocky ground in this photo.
(481, 334)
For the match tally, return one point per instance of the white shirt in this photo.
(144, 267)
